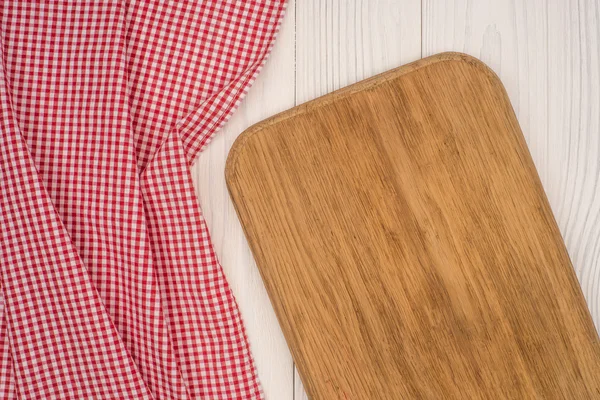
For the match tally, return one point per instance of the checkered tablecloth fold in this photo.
(110, 286)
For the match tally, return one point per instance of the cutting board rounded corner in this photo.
(244, 138)
(240, 142)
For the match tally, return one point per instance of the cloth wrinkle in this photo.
(109, 285)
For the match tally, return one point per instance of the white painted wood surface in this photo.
(547, 53)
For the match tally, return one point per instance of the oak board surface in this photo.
(407, 245)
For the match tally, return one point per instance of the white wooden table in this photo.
(547, 53)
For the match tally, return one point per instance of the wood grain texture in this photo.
(547, 53)
(340, 42)
(407, 245)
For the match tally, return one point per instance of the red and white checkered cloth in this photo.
(110, 288)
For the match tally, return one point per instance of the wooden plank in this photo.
(339, 42)
(547, 54)
(272, 92)
(408, 246)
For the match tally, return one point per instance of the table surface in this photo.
(547, 53)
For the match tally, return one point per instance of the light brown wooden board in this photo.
(407, 245)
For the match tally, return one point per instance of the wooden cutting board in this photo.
(407, 244)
